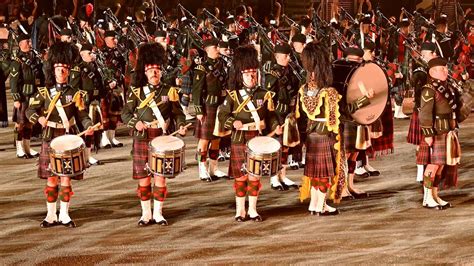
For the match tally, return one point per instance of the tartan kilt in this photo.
(320, 156)
(238, 154)
(140, 153)
(438, 156)
(384, 144)
(43, 163)
(414, 131)
(19, 115)
(205, 129)
(350, 137)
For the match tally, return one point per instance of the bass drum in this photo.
(347, 77)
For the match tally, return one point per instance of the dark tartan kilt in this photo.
(414, 131)
(238, 155)
(205, 129)
(320, 156)
(140, 153)
(19, 115)
(384, 144)
(438, 156)
(43, 164)
(350, 137)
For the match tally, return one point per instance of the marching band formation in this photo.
(270, 96)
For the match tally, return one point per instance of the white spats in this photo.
(51, 216)
(146, 210)
(314, 200)
(428, 200)
(28, 149)
(253, 206)
(240, 207)
(203, 174)
(104, 141)
(20, 151)
(158, 211)
(64, 212)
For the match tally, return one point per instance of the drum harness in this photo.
(251, 107)
(154, 107)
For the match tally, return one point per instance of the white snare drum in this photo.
(166, 156)
(67, 156)
(263, 156)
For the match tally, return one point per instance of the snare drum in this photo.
(67, 156)
(166, 156)
(263, 156)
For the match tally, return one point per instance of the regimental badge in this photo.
(164, 98)
(259, 102)
(68, 98)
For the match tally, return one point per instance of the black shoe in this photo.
(70, 224)
(445, 206)
(239, 219)
(117, 145)
(437, 207)
(162, 222)
(142, 223)
(45, 224)
(362, 195)
(108, 146)
(336, 212)
(374, 173)
(301, 165)
(294, 167)
(207, 179)
(295, 186)
(257, 218)
(364, 175)
(279, 187)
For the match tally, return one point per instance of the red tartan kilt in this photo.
(237, 154)
(320, 156)
(43, 163)
(205, 129)
(350, 137)
(414, 131)
(438, 156)
(383, 144)
(140, 153)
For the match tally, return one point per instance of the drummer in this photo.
(356, 137)
(247, 111)
(150, 104)
(68, 107)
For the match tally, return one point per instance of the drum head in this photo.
(167, 143)
(66, 143)
(263, 145)
(373, 77)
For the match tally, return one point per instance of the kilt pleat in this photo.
(320, 156)
(140, 153)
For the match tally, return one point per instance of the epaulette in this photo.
(15, 58)
(274, 73)
(200, 68)
(76, 68)
(44, 92)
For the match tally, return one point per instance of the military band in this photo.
(238, 80)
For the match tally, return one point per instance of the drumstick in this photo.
(176, 132)
(93, 127)
(362, 87)
(52, 104)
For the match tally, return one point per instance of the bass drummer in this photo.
(58, 108)
(247, 111)
(356, 137)
(150, 105)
